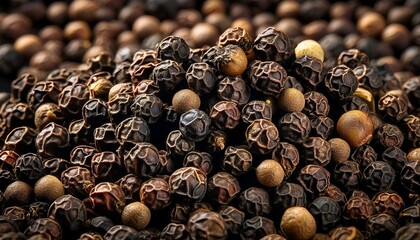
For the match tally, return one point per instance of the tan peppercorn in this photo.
(28, 44)
(204, 34)
(19, 193)
(371, 24)
(136, 215)
(270, 173)
(77, 30)
(355, 127)
(414, 155)
(340, 150)
(185, 100)
(297, 223)
(310, 48)
(291, 100)
(233, 61)
(48, 188)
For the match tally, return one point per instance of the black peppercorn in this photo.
(195, 124)
(257, 227)
(167, 75)
(177, 144)
(256, 109)
(288, 156)
(174, 231)
(223, 188)
(200, 160)
(340, 82)
(378, 176)
(392, 107)
(410, 176)
(262, 136)
(29, 168)
(69, 212)
(132, 130)
(347, 175)
(207, 224)
(381, 226)
(237, 160)
(323, 127)
(155, 193)
(364, 155)
(316, 150)
(255, 201)
(53, 141)
(142, 160)
(308, 70)
(268, 77)
(288, 195)
(189, 183)
(225, 115)
(201, 78)
(315, 179)
(21, 140)
(273, 45)
(234, 89)
(326, 211)
(78, 181)
(173, 48)
(121, 232)
(294, 127)
(353, 58)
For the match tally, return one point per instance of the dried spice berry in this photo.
(81, 155)
(255, 201)
(355, 127)
(225, 115)
(346, 233)
(46, 113)
(95, 112)
(392, 107)
(269, 173)
(188, 183)
(148, 107)
(410, 176)
(352, 58)
(237, 161)
(315, 150)
(381, 226)
(315, 179)
(223, 188)
(177, 144)
(237, 36)
(347, 175)
(388, 202)
(107, 198)
(106, 166)
(273, 45)
(358, 210)
(262, 136)
(201, 78)
(323, 127)
(144, 87)
(130, 184)
(104, 137)
(16, 214)
(268, 77)
(388, 135)
(256, 109)
(231, 60)
(274, 237)
(69, 212)
(409, 126)
(29, 168)
(409, 215)
(291, 100)
(48, 188)
(288, 195)
(78, 181)
(45, 226)
(173, 48)
(207, 224)
(309, 48)
(233, 218)
(234, 89)
(395, 157)
(378, 176)
(298, 223)
(19, 193)
(364, 155)
(257, 227)
(288, 157)
(21, 86)
(336, 194)
(21, 140)
(155, 193)
(53, 141)
(121, 232)
(42, 92)
(174, 231)
(200, 160)
(119, 107)
(340, 82)
(80, 133)
(37, 210)
(368, 78)
(308, 70)
(294, 127)
(167, 75)
(185, 100)
(132, 130)
(19, 114)
(195, 124)
(142, 160)
(71, 98)
(326, 211)
(6, 178)
(136, 215)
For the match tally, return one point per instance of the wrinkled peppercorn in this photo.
(225, 115)
(268, 77)
(273, 45)
(69, 212)
(294, 127)
(173, 48)
(315, 179)
(189, 183)
(255, 201)
(262, 136)
(155, 193)
(308, 70)
(326, 211)
(195, 124)
(378, 176)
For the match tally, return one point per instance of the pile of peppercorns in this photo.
(170, 127)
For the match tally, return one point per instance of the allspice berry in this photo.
(355, 127)
(291, 100)
(28, 44)
(19, 193)
(297, 223)
(231, 60)
(270, 173)
(310, 48)
(48, 189)
(136, 215)
(185, 100)
(371, 24)
(340, 150)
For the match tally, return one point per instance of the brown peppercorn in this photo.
(77, 30)
(231, 60)
(15, 25)
(371, 24)
(340, 150)
(262, 136)
(136, 215)
(19, 193)
(204, 34)
(28, 44)
(270, 173)
(397, 35)
(297, 223)
(46, 113)
(185, 100)
(392, 107)
(145, 26)
(291, 100)
(48, 188)
(355, 127)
